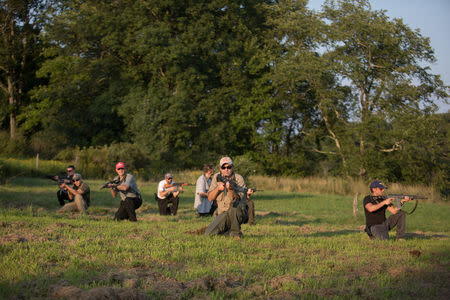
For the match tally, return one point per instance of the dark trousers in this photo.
(251, 212)
(127, 209)
(62, 197)
(381, 231)
(163, 205)
(229, 222)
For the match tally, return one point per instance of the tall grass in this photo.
(10, 167)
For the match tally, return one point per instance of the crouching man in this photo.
(375, 205)
(79, 195)
(232, 203)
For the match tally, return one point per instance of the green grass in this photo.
(302, 246)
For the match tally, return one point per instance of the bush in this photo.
(17, 147)
(99, 162)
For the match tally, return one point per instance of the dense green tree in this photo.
(387, 66)
(19, 55)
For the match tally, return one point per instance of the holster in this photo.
(368, 231)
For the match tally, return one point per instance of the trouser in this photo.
(381, 231)
(127, 209)
(229, 222)
(78, 205)
(251, 212)
(62, 196)
(163, 205)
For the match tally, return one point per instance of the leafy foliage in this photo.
(293, 91)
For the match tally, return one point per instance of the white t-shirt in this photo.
(161, 188)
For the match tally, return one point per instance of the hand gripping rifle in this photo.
(177, 184)
(112, 184)
(398, 200)
(59, 179)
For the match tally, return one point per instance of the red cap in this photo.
(120, 165)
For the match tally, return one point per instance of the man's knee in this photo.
(81, 204)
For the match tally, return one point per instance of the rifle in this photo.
(59, 179)
(113, 183)
(234, 186)
(399, 197)
(177, 184)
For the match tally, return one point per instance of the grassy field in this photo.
(303, 245)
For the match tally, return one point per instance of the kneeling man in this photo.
(79, 195)
(375, 205)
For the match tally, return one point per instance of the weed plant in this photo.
(304, 245)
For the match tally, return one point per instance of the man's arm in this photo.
(212, 194)
(393, 210)
(374, 207)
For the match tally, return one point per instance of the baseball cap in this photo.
(377, 184)
(120, 165)
(168, 175)
(76, 177)
(225, 160)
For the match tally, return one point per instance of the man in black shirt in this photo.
(375, 205)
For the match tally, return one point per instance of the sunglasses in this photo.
(170, 178)
(229, 168)
(77, 180)
(121, 169)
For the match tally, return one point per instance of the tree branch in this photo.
(395, 147)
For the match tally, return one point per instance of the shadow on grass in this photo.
(422, 236)
(333, 233)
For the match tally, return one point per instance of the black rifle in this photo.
(112, 184)
(233, 186)
(60, 179)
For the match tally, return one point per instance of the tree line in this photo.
(343, 91)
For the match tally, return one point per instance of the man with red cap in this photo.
(129, 193)
(375, 205)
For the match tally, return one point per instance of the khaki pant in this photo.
(77, 205)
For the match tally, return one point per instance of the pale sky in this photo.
(433, 20)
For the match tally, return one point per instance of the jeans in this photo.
(381, 231)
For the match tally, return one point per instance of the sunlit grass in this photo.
(303, 245)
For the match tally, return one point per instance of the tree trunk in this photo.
(12, 106)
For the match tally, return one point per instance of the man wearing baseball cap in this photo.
(129, 193)
(375, 205)
(168, 194)
(230, 217)
(79, 194)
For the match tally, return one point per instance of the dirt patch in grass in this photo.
(64, 291)
(132, 284)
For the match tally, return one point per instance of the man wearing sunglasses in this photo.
(62, 193)
(79, 195)
(129, 193)
(168, 194)
(375, 205)
(230, 217)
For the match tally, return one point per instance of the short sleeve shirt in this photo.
(225, 202)
(133, 191)
(375, 217)
(86, 192)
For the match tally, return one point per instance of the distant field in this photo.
(302, 246)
